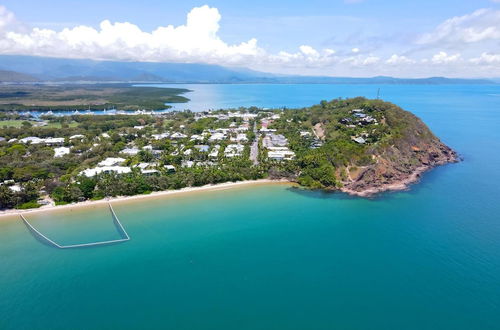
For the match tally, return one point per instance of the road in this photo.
(254, 149)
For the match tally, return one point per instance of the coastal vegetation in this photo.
(355, 145)
(44, 97)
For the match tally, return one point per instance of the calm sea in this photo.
(275, 257)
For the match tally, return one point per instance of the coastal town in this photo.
(156, 145)
(54, 160)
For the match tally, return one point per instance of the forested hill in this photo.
(12, 76)
(363, 146)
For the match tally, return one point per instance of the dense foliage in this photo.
(83, 97)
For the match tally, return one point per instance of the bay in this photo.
(277, 257)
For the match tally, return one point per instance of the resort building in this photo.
(240, 137)
(170, 168)
(217, 137)
(90, 172)
(202, 148)
(142, 166)
(178, 135)
(234, 150)
(215, 152)
(31, 139)
(110, 161)
(285, 154)
(53, 141)
(359, 140)
(47, 141)
(160, 136)
(130, 151)
(150, 172)
(61, 151)
(274, 140)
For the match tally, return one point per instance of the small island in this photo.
(357, 146)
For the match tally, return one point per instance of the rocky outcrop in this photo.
(400, 164)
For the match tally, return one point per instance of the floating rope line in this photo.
(117, 222)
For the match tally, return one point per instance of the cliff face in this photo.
(412, 150)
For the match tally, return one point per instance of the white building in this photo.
(281, 154)
(234, 150)
(178, 135)
(359, 140)
(90, 172)
(142, 166)
(215, 152)
(160, 136)
(187, 163)
(217, 137)
(32, 140)
(111, 161)
(150, 172)
(54, 141)
(196, 137)
(15, 188)
(130, 151)
(170, 168)
(241, 137)
(61, 151)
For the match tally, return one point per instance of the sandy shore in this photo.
(214, 187)
(396, 186)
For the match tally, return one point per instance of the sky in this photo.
(356, 38)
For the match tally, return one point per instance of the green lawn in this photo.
(58, 125)
(13, 123)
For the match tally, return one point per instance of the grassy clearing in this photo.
(59, 125)
(13, 123)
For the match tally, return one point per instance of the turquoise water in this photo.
(275, 257)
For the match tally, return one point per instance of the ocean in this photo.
(278, 257)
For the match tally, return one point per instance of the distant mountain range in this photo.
(29, 69)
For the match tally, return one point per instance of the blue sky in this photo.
(336, 37)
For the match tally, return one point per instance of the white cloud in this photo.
(399, 59)
(198, 41)
(481, 25)
(486, 59)
(7, 18)
(309, 51)
(443, 57)
(360, 61)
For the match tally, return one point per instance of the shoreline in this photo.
(400, 185)
(209, 187)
